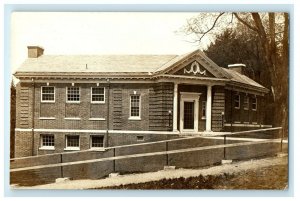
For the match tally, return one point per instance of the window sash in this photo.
(72, 141)
(135, 104)
(97, 141)
(237, 101)
(98, 95)
(246, 103)
(254, 104)
(203, 109)
(47, 94)
(47, 141)
(73, 94)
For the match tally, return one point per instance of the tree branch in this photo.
(245, 23)
(212, 26)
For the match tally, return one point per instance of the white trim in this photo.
(208, 108)
(47, 148)
(140, 108)
(97, 119)
(97, 102)
(47, 101)
(71, 148)
(72, 118)
(47, 118)
(175, 107)
(67, 95)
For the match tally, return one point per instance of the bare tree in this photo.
(273, 41)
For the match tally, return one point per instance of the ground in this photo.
(267, 173)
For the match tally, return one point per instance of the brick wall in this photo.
(218, 107)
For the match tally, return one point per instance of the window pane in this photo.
(73, 94)
(135, 106)
(47, 93)
(73, 141)
(98, 94)
(97, 141)
(47, 140)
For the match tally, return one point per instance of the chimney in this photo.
(240, 68)
(35, 51)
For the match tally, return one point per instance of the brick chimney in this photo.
(240, 68)
(35, 51)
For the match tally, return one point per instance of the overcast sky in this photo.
(98, 33)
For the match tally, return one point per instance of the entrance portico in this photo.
(192, 109)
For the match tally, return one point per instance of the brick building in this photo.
(67, 103)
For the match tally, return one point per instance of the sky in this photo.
(98, 33)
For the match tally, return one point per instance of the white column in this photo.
(175, 106)
(208, 109)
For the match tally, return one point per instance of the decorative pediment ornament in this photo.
(195, 68)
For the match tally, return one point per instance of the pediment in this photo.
(194, 68)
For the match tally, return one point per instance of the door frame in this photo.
(189, 97)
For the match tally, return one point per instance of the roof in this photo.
(95, 63)
(126, 65)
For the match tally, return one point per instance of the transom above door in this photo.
(189, 109)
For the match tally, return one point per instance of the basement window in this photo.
(47, 141)
(97, 95)
(96, 141)
(72, 142)
(140, 138)
(47, 94)
(237, 101)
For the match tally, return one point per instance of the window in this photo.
(47, 94)
(135, 106)
(73, 94)
(72, 142)
(96, 141)
(237, 101)
(140, 138)
(97, 95)
(47, 141)
(254, 104)
(203, 109)
(246, 103)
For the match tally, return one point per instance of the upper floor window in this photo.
(254, 104)
(135, 105)
(98, 95)
(73, 94)
(246, 103)
(203, 109)
(237, 101)
(48, 94)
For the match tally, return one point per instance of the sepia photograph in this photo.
(149, 100)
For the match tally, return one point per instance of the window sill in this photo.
(72, 149)
(99, 103)
(46, 148)
(47, 118)
(97, 149)
(97, 119)
(203, 118)
(254, 123)
(134, 118)
(73, 118)
(47, 101)
(237, 122)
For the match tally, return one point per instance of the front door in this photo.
(189, 106)
(188, 116)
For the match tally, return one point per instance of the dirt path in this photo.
(244, 171)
